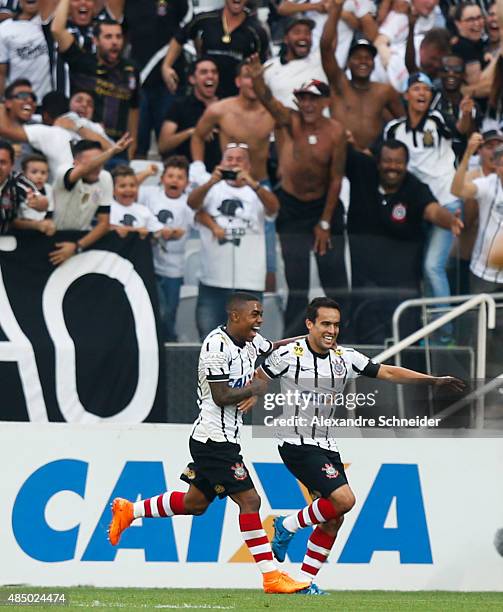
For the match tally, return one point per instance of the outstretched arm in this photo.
(405, 376)
(82, 169)
(282, 115)
(328, 44)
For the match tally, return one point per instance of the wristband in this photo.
(78, 248)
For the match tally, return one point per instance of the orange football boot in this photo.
(122, 517)
(281, 582)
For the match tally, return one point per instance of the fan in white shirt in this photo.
(299, 63)
(126, 214)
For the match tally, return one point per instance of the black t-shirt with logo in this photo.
(115, 88)
(371, 211)
(186, 112)
(207, 32)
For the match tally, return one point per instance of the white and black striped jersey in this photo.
(431, 154)
(490, 199)
(311, 388)
(223, 359)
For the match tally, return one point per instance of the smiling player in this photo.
(226, 389)
(319, 368)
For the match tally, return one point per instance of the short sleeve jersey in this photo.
(206, 30)
(431, 154)
(490, 199)
(115, 88)
(222, 359)
(76, 204)
(314, 382)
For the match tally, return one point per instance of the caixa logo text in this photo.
(393, 483)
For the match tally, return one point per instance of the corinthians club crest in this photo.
(330, 471)
(240, 472)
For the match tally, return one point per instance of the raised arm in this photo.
(116, 8)
(82, 169)
(58, 27)
(410, 49)
(281, 114)
(328, 44)
(209, 120)
(287, 9)
(462, 187)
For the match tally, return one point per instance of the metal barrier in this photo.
(486, 320)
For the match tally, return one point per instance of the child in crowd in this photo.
(126, 214)
(36, 212)
(168, 202)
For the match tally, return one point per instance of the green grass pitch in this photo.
(253, 600)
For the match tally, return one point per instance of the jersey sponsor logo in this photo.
(240, 472)
(298, 350)
(399, 213)
(428, 140)
(189, 472)
(330, 471)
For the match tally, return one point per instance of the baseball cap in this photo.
(315, 87)
(419, 77)
(363, 43)
(492, 135)
(293, 21)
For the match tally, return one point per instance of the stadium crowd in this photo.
(369, 134)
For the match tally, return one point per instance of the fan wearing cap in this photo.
(311, 155)
(357, 15)
(298, 61)
(358, 103)
(432, 158)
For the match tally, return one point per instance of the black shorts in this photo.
(217, 469)
(320, 470)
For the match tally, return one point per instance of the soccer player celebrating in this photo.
(226, 389)
(316, 366)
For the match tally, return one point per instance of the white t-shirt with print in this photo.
(134, 215)
(237, 261)
(170, 212)
(24, 48)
